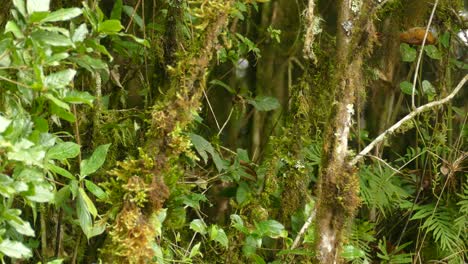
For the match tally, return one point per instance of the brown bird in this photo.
(415, 36)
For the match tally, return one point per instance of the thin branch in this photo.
(408, 117)
(303, 229)
(413, 105)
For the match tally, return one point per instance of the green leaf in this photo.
(37, 6)
(20, 6)
(131, 13)
(60, 79)
(63, 14)
(271, 228)
(77, 97)
(4, 123)
(13, 28)
(264, 103)
(224, 85)
(195, 251)
(237, 223)
(433, 52)
(14, 249)
(407, 88)
(111, 26)
(62, 113)
(89, 63)
(22, 227)
(242, 193)
(55, 59)
(80, 33)
(428, 89)
(60, 171)
(51, 38)
(217, 234)
(96, 190)
(408, 54)
(95, 162)
(64, 150)
(42, 193)
(351, 252)
(62, 196)
(202, 146)
(89, 204)
(84, 217)
(116, 12)
(198, 226)
(57, 101)
(250, 246)
(445, 39)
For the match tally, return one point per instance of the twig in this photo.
(303, 229)
(408, 117)
(211, 109)
(227, 121)
(413, 105)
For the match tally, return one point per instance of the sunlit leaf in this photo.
(198, 226)
(408, 54)
(64, 150)
(37, 6)
(63, 14)
(14, 249)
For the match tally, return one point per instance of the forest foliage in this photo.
(174, 131)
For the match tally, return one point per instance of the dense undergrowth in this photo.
(152, 134)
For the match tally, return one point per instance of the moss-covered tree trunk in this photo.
(338, 186)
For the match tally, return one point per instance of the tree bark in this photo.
(338, 185)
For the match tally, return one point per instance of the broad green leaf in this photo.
(64, 150)
(408, 54)
(116, 12)
(96, 190)
(96, 230)
(89, 204)
(242, 193)
(95, 162)
(37, 17)
(4, 123)
(243, 155)
(23, 227)
(237, 223)
(111, 26)
(42, 193)
(57, 101)
(60, 79)
(445, 39)
(193, 200)
(84, 217)
(250, 246)
(62, 113)
(51, 38)
(63, 14)
(20, 6)
(428, 89)
(62, 196)
(13, 28)
(264, 103)
(271, 228)
(218, 161)
(56, 261)
(55, 59)
(33, 156)
(14, 249)
(157, 220)
(407, 88)
(89, 63)
(37, 6)
(433, 52)
(131, 13)
(198, 226)
(202, 146)
(217, 234)
(195, 251)
(80, 33)
(77, 97)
